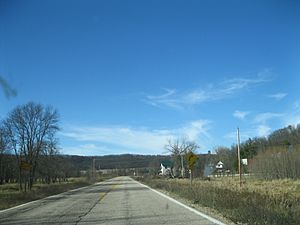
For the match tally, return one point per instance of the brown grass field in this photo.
(256, 202)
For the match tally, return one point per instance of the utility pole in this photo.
(239, 155)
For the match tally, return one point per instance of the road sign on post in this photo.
(192, 159)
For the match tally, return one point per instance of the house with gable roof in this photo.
(166, 168)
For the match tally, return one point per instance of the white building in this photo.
(165, 168)
(220, 166)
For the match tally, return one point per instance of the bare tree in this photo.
(179, 148)
(29, 127)
(48, 168)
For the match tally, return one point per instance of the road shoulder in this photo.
(205, 210)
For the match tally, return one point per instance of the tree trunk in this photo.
(20, 179)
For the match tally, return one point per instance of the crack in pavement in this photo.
(127, 207)
(87, 212)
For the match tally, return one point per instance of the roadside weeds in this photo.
(253, 204)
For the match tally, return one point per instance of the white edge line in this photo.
(185, 206)
(18, 206)
(49, 197)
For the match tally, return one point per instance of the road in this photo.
(119, 201)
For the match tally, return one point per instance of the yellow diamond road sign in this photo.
(192, 158)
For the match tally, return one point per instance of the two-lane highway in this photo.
(119, 201)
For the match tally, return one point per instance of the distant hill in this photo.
(115, 161)
(72, 165)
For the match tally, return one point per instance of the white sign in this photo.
(245, 162)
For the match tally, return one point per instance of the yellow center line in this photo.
(103, 194)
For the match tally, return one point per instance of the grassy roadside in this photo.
(10, 195)
(257, 202)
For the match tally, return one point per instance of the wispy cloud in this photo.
(195, 129)
(263, 130)
(167, 99)
(222, 90)
(264, 117)
(256, 131)
(292, 117)
(292, 120)
(244, 135)
(138, 140)
(260, 124)
(125, 137)
(264, 123)
(86, 149)
(240, 114)
(278, 96)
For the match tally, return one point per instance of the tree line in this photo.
(276, 156)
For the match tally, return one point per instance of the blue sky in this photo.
(126, 76)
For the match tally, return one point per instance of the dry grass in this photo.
(257, 202)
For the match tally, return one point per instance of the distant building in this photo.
(107, 171)
(220, 167)
(166, 168)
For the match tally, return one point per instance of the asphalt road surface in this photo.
(119, 201)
